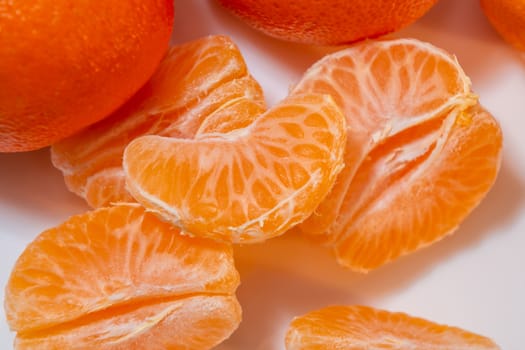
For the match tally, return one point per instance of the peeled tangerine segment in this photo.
(420, 154)
(119, 278)
(247, 185)
(363, 328)
(196, 89)
(195, 322)
(392, 216)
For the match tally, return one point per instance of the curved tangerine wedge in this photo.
(423, 201)
(361, 327)
(420, 152)
(197, 88)
(119, 278)
(247, 185)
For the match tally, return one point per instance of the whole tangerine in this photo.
(65, 64)
(328, 22)
(508, 18)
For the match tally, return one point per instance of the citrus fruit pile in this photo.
(381, 149)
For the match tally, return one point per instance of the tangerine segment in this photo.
(417, 187)
(383, 88)
(361, 327)
(99, 264)
(247, 185)
(193, 323)
(206, 78)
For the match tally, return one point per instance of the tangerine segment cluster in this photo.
(200, 87)
(119, 278)
(420, 154)
(247, 185)
(360, 328)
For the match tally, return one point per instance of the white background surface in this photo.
(474, 279)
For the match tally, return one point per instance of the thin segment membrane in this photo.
(193, 322)
(389, 165)
(431, 200)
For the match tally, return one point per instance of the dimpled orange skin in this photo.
(65, 64)
(327, 22)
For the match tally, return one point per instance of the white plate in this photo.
(474, 279)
